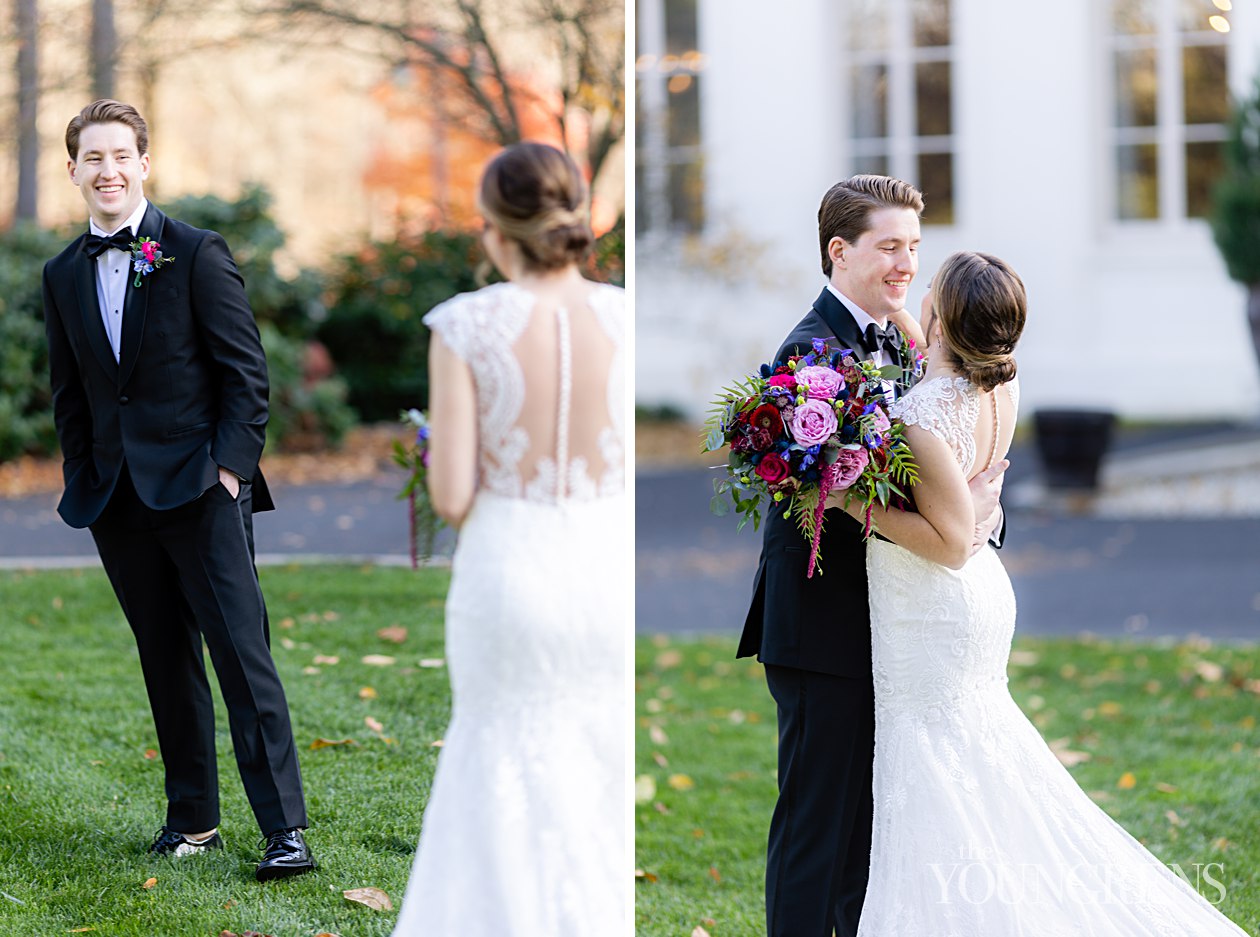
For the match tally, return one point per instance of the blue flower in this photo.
(819, 345)
(766, 371)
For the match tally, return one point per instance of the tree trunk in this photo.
(27, 15)
(104, 48)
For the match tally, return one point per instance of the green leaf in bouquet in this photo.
(891, 372)
(718, 506)
(715, 441)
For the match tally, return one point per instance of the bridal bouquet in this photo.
(414, 457)
(800, 430)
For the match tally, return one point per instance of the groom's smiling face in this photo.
(110, 172)
(875, 270)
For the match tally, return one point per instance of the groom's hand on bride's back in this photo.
(986, 492)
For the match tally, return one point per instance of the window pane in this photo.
(1204, 165)
(936, 182)
(680, 26)
(931, 82)
(870, 101)
(1137, 181)
(876, 164)
(1193, 15)
(931, 22)
(686, 197)
(683, 113)
(868, 25)
(642, 203)
(1133, 17)
(1206, 84)
(1135, 88)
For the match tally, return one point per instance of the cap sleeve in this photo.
(455, 321)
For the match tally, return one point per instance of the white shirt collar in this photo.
(133, 222)
(860, 315)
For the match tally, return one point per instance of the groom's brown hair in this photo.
(846, 209)
(106, 111)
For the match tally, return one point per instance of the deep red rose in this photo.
(772, 469)
(767, 417)
(759, 439)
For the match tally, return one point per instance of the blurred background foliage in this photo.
(344, 345)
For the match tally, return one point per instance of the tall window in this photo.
(1168, 61)
(669, 164)
(901, 87)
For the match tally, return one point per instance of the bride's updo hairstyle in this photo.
(536, 196)
(981, 305)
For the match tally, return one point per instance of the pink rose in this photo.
(147, 248)
(881, 424)
(812, 422)
(822, 382)
(846, 469)
(772, 468)
(783, 380)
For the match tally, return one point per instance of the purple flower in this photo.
(849, 467)
(812, 422)
(822, 382)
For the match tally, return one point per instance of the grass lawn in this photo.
(1164, 739)
(81, 785)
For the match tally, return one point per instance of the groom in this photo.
(160, 395)
(813, 635)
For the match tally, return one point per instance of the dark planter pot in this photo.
(1071, 444)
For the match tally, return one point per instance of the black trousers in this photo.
(819, 853)
(183, 575)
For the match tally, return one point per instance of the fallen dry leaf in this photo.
(714, 873)
(1172, 817)
(84, 930)
(227, 906)
(370, 897)
(437, 743)
(1067, 756)
(328, 659)
(374, 724)
(1165, 788)
(1127, 781)
(699, 932)
(367, 693)
(645, 876)
(667, 659)
(57, 603)
(149, 883)
(432, 662)
(288, 643)
(657, 735)
(395, 633)
(330, 616)
(660, 759)
(681, 782)
(1210, 672)
(378, 660)
(310, 671)
(150, 754)
(326, 934)
(1110, 708)
(644, 788)
(329, 743)
(287, 623)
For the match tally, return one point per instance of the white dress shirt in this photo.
(863, 319)
(113, 270)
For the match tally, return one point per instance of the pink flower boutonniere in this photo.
(146, 256)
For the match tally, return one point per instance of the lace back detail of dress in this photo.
(550, 390)
(949, 408)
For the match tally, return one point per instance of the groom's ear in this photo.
(835, 251)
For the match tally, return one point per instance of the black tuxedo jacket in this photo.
(190, 392)
(824, 623)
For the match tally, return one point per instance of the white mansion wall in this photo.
(1117, 311)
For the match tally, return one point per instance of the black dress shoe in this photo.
(285, 853)
(176, 845)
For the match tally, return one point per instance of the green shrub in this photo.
(373, 327)
(305, 415)
(26, 423)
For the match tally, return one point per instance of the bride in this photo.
(979, 831)
(524, 831)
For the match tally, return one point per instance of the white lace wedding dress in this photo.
(524, 831)
(979, 830)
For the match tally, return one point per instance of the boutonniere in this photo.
(146, 256)
(912, 361)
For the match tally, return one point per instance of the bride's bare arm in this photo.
(942, 529)
(452, 475)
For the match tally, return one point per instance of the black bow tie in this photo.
(95, 245)
(888, 338)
